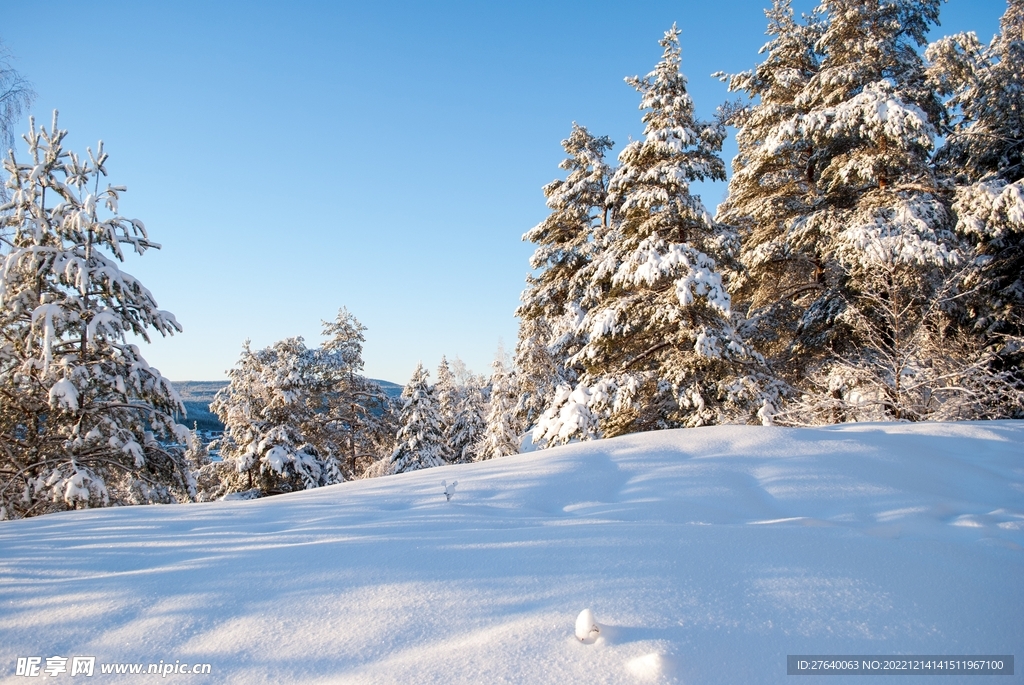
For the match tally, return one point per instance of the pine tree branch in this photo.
(643, 355)
(791, 293)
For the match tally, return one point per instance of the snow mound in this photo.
(647, 667)
(587, 629)
(709, 554)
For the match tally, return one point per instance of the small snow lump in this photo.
(586, 626)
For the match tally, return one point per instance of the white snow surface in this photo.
(709, 555)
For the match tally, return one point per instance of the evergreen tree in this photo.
(460, 407)
(539, 368)
(449, 402)
(355, 421)
(503, 432)
(661, 347)
(552, 303)
(271, 411)
(81, 412)
(983, 158)
(879, 226)
(986, 140)
(297, 418)
(867, 224)
(771, 189)
(419, 444)
(464, 433)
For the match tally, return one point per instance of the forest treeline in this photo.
(866, 265)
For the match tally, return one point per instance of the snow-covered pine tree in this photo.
(984, 157)
(771, 188)
(539, 369)
(873, 223)
(419, 443)
(984, 85)
(661, 347)
(552, 303)
(355, 421)
(503, 432)
(81, 412)
(912, 364)
(449, 400)
(879, 228)
(463, 435)
(211, 477)
(461, 410)
(271, 411)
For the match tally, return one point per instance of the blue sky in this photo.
(386, 157)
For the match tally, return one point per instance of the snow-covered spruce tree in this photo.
(984, 157)
(552, 303)
(984, 85)
(464, 434)
(661, 348)
(420, 440)
(538, 368)
(449, 399)
(912, 365)
(503, 432)
(460, 404)
(874, 222)
(81, 412)
(772, 187)
(212, 478)
(879, 226)
(271, 411)
(354, 421)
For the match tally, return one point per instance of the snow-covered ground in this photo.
(706, 556)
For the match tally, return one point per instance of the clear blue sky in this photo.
(293, 158)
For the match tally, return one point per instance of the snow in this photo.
(708, 554)
(990, 209)
(586, 626)
(64, 395)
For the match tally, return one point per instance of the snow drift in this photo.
(707, 554)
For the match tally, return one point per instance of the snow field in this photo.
(706, 556)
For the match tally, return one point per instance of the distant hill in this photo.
(199, 391)
(393, 390)
(197, 395)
